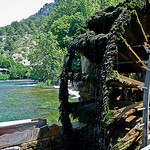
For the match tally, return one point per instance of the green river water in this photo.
(20, 99)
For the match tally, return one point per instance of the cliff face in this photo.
(45, 10)
(55, 1)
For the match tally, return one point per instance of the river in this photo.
(20, 99)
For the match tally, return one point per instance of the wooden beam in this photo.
(127, 140)
(146, 106)
(20, 125)
(142, 30)
(123, 81)
(29, 134)
(65, 120)
(132, 81)
(127, 110)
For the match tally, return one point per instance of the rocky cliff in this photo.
(45, 10)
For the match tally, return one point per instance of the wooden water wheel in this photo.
(116, 42)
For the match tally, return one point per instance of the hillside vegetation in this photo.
(40, 42)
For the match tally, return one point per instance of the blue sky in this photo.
(16, 10)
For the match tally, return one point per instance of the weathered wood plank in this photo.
(125, 111)
(123, 81)
(142, 30)
(20, 125)
(19, 137)
(31, 134)
(128, 140)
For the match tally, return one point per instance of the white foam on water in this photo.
(28, 85)
(75, 94)
(20, 80)
(56, 86)
(72, 92)
(52, 87)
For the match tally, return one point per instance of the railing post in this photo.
(146, 106)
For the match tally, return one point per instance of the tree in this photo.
(32, 25)
(46, 57)
(10, 31)
(16, 26)
(1, 40)
(16, 70)
(25, 27)
(2, 31)
(65, 27)
(5, 62)
(9, 45)
(64, 7)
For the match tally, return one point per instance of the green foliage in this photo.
(41, 85)
(5, 62)
(76, 63)
(1, 51)
(1, 40)
(9, 31)
(46, 83)
(50, 82)
(2, 31)
(9, 45)
(19, 71)
(16, 70)
(27, 26)
(65, 27)
(17, 28)
(23, 49)
(4, 76)
(47, 56)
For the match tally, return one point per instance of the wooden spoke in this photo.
(135, 57)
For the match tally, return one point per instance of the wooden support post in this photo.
(146, 106)
(65, 120)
